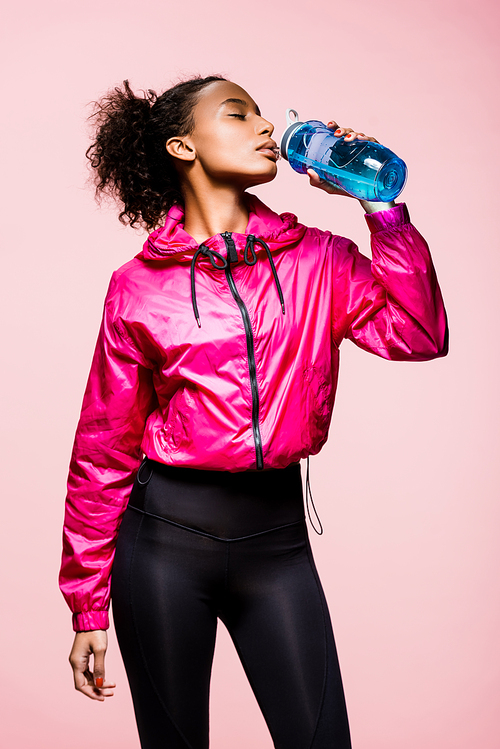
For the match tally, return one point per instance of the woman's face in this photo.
(231, 139)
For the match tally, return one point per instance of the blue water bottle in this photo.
(366, 170)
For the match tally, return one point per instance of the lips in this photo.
(269, 148)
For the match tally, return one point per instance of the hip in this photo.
(219, 503)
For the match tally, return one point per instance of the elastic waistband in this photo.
(220, 503)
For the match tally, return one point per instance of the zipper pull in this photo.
(232, 254)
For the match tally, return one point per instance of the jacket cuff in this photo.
(85, 621)
(387, 220)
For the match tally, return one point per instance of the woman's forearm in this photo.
(374, 206)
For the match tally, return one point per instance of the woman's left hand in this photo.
(350, 135)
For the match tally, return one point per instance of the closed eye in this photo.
(240, 116)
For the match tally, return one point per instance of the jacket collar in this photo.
(172, 240)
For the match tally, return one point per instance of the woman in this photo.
(216, 365)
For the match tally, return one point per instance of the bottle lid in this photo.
(292, 119)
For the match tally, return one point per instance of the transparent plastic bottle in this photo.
(366, 170)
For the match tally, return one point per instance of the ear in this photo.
(181, 148)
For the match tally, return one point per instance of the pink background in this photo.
(406, 486)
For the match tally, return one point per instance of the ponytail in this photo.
(128, 154)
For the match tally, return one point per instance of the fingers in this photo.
(102, 687)
(349, 133)
(316, 181)
(92, 684)
(99, 653)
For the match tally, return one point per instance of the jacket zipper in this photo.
(232, 256)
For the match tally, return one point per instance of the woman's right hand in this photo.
(91, 683)
(349, 136)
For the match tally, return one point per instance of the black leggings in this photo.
(195, 546)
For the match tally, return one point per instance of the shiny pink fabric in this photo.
(161, 386)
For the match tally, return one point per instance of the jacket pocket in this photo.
(179, 425)
(318, 402)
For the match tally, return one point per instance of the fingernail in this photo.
(99, 682)
(337, 130)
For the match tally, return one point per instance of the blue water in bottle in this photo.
(366, 170)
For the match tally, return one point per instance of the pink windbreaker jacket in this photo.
(225, 357)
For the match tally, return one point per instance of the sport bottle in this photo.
(366, 170)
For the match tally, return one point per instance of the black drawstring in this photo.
(250, 245)
(206, 252)
(250, 258)
(309, 494)
(251, 240)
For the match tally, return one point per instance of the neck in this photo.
(214, 210)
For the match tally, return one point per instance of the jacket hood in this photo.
(172, 240)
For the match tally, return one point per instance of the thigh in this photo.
(164, 585)
(277, 615)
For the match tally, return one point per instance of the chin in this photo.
(262, 179)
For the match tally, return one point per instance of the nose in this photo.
(265, 127)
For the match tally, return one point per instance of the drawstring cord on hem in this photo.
(250, 258)
(309, 494)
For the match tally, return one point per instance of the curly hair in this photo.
(128, 154)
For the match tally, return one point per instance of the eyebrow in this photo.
(239, 101)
